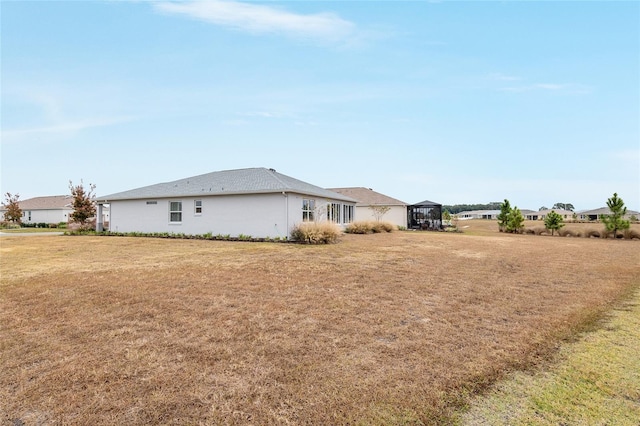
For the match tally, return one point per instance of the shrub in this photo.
(631, 234)
(316, 233)
(579, 232)
(379, 227)
(359, 227)
(563, 232)
(539, 230)
(605, 233)
(591, 233)
(9, 225)
(388, 226)
(369, 227)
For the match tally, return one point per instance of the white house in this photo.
(371, 205)
(478, 214)
(50, 209)
(542, 214)
(256, 202)
(597, 214)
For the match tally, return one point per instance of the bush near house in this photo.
(316, 233)
(369, 227)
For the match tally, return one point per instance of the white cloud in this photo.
(503, 77)
(266, 114)
(260, 19)
(552, 87)
(59, 129)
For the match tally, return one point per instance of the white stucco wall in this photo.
(256, 215)
(46, 216)
(396, 215)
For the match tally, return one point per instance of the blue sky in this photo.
(455, 102)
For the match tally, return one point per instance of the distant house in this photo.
(371, 205)
(424, 215)
(257, 202)
(478, 214)
(597, 214)
(542, 214)
(51, 209)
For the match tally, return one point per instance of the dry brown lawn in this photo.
(379, 329)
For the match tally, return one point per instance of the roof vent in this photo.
(272, 170)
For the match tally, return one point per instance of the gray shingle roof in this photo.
(52, 202)
(604, 210)
(368, 197)
(228, 182)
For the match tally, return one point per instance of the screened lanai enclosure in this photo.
(425, 215)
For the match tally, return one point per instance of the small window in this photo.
(198, 206)
(151, 202)
(308, 210)
(175, 211)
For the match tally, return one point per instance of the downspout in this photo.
(286, 209)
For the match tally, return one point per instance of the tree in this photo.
(543, 208)
(83, 205)
(515, 221)
(614, 221)
(12, 205)
(563, 206)
(553, 221)
(457, 208)
(503, 217)
(379, 211)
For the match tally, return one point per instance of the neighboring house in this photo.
(542, 214)
(256, 202)
(371, 205)
(596, 214)
(478, 214)
(424, 215)
(51, 209)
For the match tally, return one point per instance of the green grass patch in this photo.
(29, 230)
(597, 381)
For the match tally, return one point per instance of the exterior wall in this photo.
(396, 215)
(46, 216)
(542, 214)
(256, 215)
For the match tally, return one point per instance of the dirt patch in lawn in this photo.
(379, 329)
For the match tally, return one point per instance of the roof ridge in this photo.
(275, 174)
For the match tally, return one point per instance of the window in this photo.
(308, 209)
(347, 214)
(175, 211)
(333, 212)
(198, 207)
